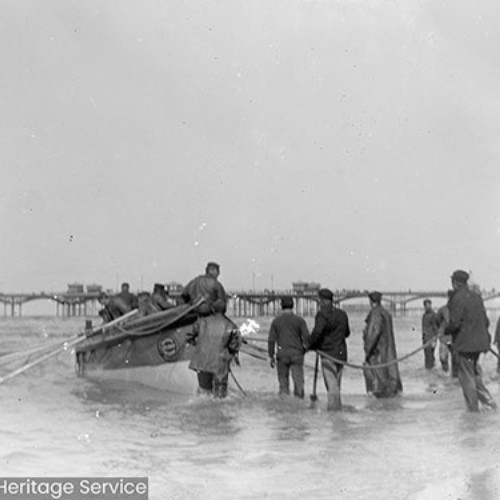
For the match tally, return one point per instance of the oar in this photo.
(6, 358)
(65, 345)
(313, 396)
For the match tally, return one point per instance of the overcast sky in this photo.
(351, 143)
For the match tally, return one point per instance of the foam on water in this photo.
(421, 445)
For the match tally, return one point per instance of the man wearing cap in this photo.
(445, 347)
(159, 298)
(207, 286)
(331, 328)
(289, 333)
(468, 327)
(217, 341)
(380, 348)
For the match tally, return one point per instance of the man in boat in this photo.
(468, 327)
(445, 347)
(129, 298)
(380, 348)
(289, 333)
(429, 334)
(497, 343)
(207, 286)
(217, 341)
(331, 328)
(113, 307)
(159, 298)
(145, 304)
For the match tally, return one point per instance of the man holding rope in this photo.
(469, 329)
(380, 348)
(331, 328)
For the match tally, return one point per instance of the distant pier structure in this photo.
(77, 300)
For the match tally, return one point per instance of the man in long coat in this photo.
(380, 348)
(217, 341)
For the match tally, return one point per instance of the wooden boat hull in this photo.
(151, 351)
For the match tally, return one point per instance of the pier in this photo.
(240, 303)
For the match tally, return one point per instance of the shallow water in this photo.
(422, 445)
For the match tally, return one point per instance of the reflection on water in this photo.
(421, 445)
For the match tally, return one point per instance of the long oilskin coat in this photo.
(380, 348)
(216, 341)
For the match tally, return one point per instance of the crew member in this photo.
(289, 333)
(469, 329)
(207, 286)
(217, 341)
(380, 348)
(331, 328)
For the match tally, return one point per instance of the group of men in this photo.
(461, 326)
(289, 340)
(146, 303)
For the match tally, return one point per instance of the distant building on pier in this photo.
(306, 288)
(174, 288)
(75, 288)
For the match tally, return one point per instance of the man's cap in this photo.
(375, 297)
(102, 295)
(460, 275)
(159, 286)
(213, 264)
(325, 293)
(287, 302)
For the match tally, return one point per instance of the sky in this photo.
(346, 142)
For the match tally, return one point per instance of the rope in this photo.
(370, 367)
(237, 383)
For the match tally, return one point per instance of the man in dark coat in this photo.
(126, 296)
(207, 286)
(331, 328)
(113, 307)
(289, 332)
(159, 298)
(380, 348)
(217, 341)
(429, 332)
(469, 329)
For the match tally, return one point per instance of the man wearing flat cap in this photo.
(380, 348)
(468, 327)
(207, 286)
(289, 333)
(331, 328)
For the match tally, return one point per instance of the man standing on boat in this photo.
(289, 332)
(217, 341)
(468, 327)
(207, 286)
(380, 349)
(331, 328)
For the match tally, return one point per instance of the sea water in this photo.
(421, 445)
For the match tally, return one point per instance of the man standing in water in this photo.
(429, 334)
(207, 286)
(380, 348)
(289, 332)
(445, 347)
(331, 328)
(469, 329)
(217, 341)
